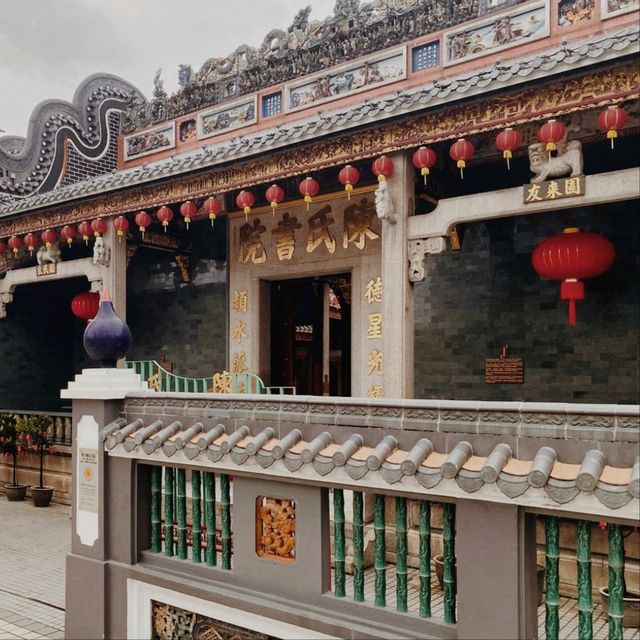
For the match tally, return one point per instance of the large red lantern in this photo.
(212, 207)
(611, 120)
(31, 242)
(424, 159)
(84, 229)
(85, 305)
(309, 188)
(245, 200)
(121, 224)
(572, 256)
(188, 210)
(348, 177)
(383, 168)
(461, 151)
(49, 237)
(68, 233)
(550, 133)
(98, 226)
(15, 242)
(143, 220)
(507, 141)
(165, 215)
(274, 195)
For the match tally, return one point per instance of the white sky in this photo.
(47, 47)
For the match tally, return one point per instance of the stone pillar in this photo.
(116, 280)
(397, 292)
(496, 571)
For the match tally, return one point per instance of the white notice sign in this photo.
(88, 479)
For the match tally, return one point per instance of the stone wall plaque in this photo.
(47, 269)
(504, 370)
(553, 189)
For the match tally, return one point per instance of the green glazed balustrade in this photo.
(338, 542)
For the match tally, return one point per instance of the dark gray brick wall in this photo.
(488, 294)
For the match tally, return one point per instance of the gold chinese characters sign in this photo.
(554, 189)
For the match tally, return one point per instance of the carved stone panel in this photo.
(276, 528)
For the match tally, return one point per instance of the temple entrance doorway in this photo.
(311, 334)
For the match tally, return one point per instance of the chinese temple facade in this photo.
(414, 226)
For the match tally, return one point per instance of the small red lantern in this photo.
(611, 120)
(309, 188)
(188, 210)
(84, 229)
(274, 195)
(15, 243)
(461, 151)
(98, 226)
(572, 256)
(424, 159)
(383, 168)
(49, 237)
(550, 133)
(68, 233)
(245, 201)
(212, 207)
(348, 177)
(507, 141)
(85, 305)
(165, 215)
(3, 246)
(121, 224)
(31, 242)
(143, 220)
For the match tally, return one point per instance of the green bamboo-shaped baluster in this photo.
(181, 513)
(583, 557)
(196, 542)
(449, 562)
(379, 561)
(425, 559)
(225, 502)
(338, 541)
(156, 509)
(168, 511)
(401, 554)
(358, 547)
(616, 581)
(210, 556)
(552, 597)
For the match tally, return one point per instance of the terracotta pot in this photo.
(41, 496)
(15, 492)
(630, 607)
(439, 565)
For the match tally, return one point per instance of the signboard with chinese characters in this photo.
(504, 370)
(46, 269)
(553, 189)
(88, 479)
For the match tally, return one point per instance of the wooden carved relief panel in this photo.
(276, 528)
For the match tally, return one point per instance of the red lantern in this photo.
(84, 229)
(121, 225)
(274, 195)
(3, 247)
(573, 256)
(611, 120)
(461, 151)
(245, 201)
(348, 176)
(165, 215)
(383, 168)
(507, 141)
(309, 188)
(143, 220)
(188, 210)
(15, 243)
(98, 226)
(424, 158)
(212, 207)
(49, 237)
(68, 233)
(550, 133)
(85, 305)
(31, 242)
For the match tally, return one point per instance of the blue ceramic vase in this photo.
(106, 338)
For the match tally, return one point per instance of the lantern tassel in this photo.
(348, 188)
(572, 313)
(572, 290)
(425, 172)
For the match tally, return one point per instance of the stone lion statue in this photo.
(568, 160)
(385, 209)
(101, 253)
(50, 255)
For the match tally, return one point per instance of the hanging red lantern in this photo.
(245, 201)
(424, 159)
(49, 237)
(461, 151)
(383, 168)
(98, 226)
(274, 195)
(15, 243)
(165, 215)
(348, 177)
(611, 120)
(68, 233)
(507, 141)
(188, 210)
(31, 242)
(143, 220)
(212, 207)
(550, 133)
(85, 305)
(572, 256)
(121, 224)
(3, 247)
(84, 229)
(309, 188)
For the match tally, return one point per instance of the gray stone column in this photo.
(116, 280)
(397, 292)
(496, 571)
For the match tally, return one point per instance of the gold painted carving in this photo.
(251, 247)
(47, 269)
(239, 362)
(373, 290)
(239, 332)
(374, 362)
(553, 189)
(240, 300)
(374, 330)
(319, 232)
(222, 382)
(276, 528)
(358, 219)
(374, 391)
(285, 236)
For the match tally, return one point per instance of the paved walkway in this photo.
(33, 546)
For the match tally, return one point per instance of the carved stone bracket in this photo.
(418, 250)
(96, 285)
(5, 299)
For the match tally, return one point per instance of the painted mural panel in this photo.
(500, 32)
(346, 80)
(572, 12)
(227, 118)
(610, 8)
(151, 141)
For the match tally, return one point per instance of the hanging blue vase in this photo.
(107, 338)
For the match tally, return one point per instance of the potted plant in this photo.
(33, 435)
(11, 448)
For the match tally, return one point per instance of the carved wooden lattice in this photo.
(276, 528)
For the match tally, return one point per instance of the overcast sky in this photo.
(47, 47)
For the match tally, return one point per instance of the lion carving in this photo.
(48, 255)
(568, 160)
(385, 209)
